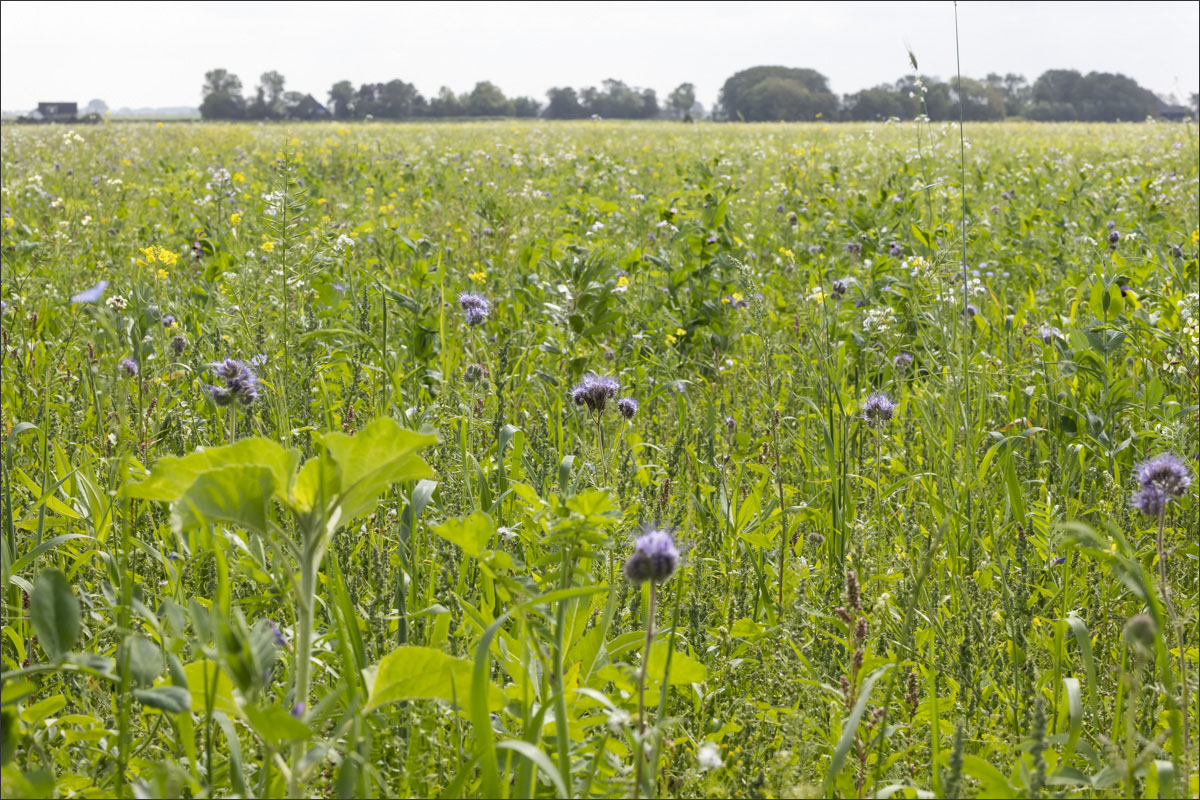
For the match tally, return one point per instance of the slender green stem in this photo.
(302, 657)
(560, 700)
(1177, 624)
(640, 756)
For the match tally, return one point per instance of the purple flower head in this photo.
(840, 285)
(475, 307)
(1161, 479)
(240, 382)
(179, 344)
(168, 320)
(895, 249)
(878, 409)
(298, 710)
(220, 396)
(627, 406)
(654, 557)
(814, 249)
(730, 424)
(129, 368)
(712, 239)
(258, 360)
(972, 309)
(902, 362)
(779, 209)
(1110, 224)
(1114, 237)
(92, 295)
(594, 391)
(853, 248)
(276, 634)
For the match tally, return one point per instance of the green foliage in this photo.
(392, 564)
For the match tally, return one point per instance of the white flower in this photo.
(116, 302)
(709, 756)
(617, 720)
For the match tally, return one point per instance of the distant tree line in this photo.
(758, 94)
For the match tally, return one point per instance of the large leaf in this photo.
(172, 699)
(423, 673)
(208, 682)
(239, 495)
(173, 475)
(54, 612)
(684, 668)
(380, 454)
(470, 533)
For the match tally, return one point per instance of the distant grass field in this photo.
(904, 546)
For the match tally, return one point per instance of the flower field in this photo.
(527, 459)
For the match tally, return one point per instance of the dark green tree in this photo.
(486, 100)
(222, 96)
(681, 100)
(564, 104)
(736, 100)
(341, 100)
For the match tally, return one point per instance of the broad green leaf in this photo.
(992, 781)
(423, 673)
(379, 455)
(173, 475)
(145, 659)
(206, 678)
(276, 725)
(237, 495)
(684, 668)
(54, 612)
(172, 699)
(319, 479)
(470, 533)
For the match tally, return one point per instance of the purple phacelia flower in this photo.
(168, 320)
(654, 557)
(129, 368)
(1161, 479)
(878, 409)
(594, 391)
(902, 362)
(475, 307)
(240, 383)
(627, 407)
(894, 249)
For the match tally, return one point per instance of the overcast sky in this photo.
(155, 54)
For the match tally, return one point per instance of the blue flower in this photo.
(594, 391)
(475, 307)
(1162, 479)
(878, 409)
(92, 295)
(627, 406)
(654, 557)
(129, 368)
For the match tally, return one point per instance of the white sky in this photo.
(155, 53)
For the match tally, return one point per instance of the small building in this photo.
(55, 112)
(308, 108)
(1176, 113)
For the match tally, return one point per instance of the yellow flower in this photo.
(622, 282)
(167, 257)
(670, 339)
(150, 253)
(737, 296)
(680, 332)
(267, 246)
(478, 277)
(235, 218)
(163, 275)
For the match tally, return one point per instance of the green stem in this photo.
(1178, 625)
(640, 756)
(303, 659)
(560, 699)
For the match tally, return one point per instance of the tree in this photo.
(269, 101)
(786, 100)
(96, 107)
(735, 94)
(486, 100)
(879, 103)
(446, 104)
(681, 100)
(222, 96)
(399, 100)
(341, 100)
(564, 104)
(526, 107)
